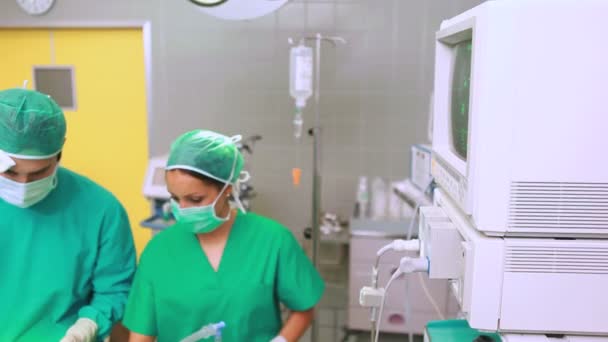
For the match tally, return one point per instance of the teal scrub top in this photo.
(69, 256)
(176, 291)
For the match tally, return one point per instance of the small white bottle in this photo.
(363, 198)
(394, 204)
(379, 198)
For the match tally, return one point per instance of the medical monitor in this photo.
(520, 117)
(155, 186)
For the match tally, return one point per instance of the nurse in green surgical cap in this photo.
(219, 264)
(66, 251)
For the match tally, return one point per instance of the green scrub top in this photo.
(176, 291)
(69, 256)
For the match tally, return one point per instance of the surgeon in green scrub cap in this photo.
(218, 264)
(67, 257)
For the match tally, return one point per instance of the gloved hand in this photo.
(84, 330)
(279, 339)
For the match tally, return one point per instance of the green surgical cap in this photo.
(208, 153)
(32, 125)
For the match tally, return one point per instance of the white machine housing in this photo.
(520, 285)
(155, 186)
(537, 117)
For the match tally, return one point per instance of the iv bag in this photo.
(300, 74)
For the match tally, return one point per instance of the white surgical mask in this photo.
(25, 195)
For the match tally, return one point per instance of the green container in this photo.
(455, 331)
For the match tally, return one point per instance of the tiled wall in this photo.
(374, 97)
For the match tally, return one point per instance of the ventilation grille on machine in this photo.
(538, 206)
(590, 259)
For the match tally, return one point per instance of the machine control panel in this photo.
(453, 184)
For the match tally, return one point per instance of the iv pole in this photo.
(315, 131)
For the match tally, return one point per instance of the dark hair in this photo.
(207, 180)
(59, 156)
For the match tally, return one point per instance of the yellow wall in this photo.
(24, 48)
(107, 134)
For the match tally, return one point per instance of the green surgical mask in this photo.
(199, 220)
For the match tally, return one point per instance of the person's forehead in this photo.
(179, 179)
(32, 165)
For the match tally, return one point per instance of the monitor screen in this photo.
(461, 81)
(159, 176)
